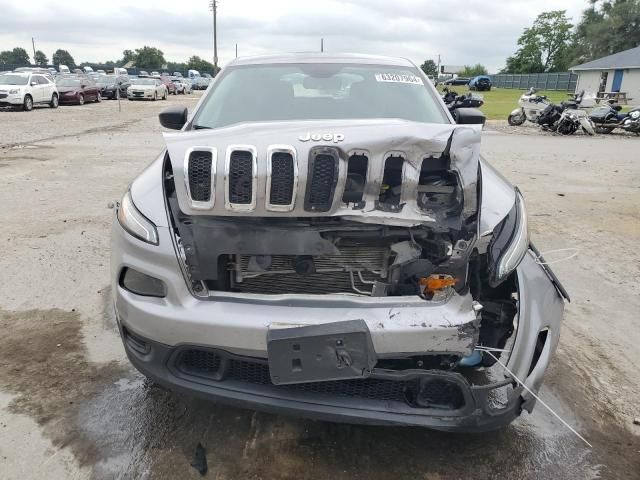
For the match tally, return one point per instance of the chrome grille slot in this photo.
(282, 178)
(240, 178)
(199, 176)
(322, 180)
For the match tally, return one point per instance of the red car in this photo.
(171, 87)
(78, 90)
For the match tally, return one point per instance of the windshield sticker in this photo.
(398, 78)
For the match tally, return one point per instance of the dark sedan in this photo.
(113, 87)
(78, 90)
(456, 81)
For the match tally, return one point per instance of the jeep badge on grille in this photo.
(327, 137)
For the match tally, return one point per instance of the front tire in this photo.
(81, 99)
(155, 96)
(54, 101)
(27, 103)
(99, 97)
(516, 120)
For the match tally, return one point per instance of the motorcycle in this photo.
(608, 117)
(454, 101)
(567, 117)
(530, 108)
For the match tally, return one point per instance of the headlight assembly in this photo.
(135, 223)
(13, 91)
(509, 244)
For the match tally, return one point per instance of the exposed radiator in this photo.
(354, 266)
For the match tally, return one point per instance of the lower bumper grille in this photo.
(436, 394)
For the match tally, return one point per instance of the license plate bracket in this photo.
(316, 353)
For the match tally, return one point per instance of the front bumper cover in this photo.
(478, 413)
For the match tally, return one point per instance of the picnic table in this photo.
(618, 97)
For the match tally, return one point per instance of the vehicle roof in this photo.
(317, 57)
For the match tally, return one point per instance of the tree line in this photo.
(554, 44)
(146, 57)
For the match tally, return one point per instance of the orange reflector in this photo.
(436, 282)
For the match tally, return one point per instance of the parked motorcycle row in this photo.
(579, 112)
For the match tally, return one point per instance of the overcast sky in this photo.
(462, 31)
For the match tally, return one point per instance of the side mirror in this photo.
(469, 116)
(83, 86)
(173, 117)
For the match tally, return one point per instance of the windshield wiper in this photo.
(201, 127)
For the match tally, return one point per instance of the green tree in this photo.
(545, 46)
(17, 56)
(149, 57)
(606, 27)
(177, 67)
(197, 63)
(62, 57)
(127, 56)
(40, 58)
(430, 68)
(474, 71)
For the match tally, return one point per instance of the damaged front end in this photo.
(349, 271)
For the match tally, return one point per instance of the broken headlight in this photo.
(509, 244)
(134, 222)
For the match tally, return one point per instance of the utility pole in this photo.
(213, 6)
(438, 67)
(33, 43)
(236, 50)
(322, 44)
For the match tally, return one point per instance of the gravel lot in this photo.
(72, 407)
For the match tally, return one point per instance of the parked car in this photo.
(78, 90)
(113, 87)
(155, 74)
(63, 69)
(347, 256)
(480, 83)
(87, 69)
(143, 73)
(120, 71)
(171, 87)
(457, 81)
(147, 89)
(26, 89)
(182, 86)
(177, 74)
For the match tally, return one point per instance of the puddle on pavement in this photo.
(122, 426)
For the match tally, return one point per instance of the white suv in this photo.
(27, 89)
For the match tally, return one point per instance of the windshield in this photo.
(144, 81)
(69, 82)
(318, 91)
(8, 79)
(106, 80)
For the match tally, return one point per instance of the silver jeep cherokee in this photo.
(322, 238)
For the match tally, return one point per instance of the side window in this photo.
(39, 79)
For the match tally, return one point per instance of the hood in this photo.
(4, 86)
(444, 147)
(69, 89)
(142, 87)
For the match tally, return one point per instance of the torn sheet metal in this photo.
(377, 139)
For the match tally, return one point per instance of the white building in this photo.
(619, 72)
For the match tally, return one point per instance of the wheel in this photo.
(166, 95)
(27, 103)
(117, 95)
(155, 96)
(99, 98)
(54, 101)
(516, 120)
(81, 99)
